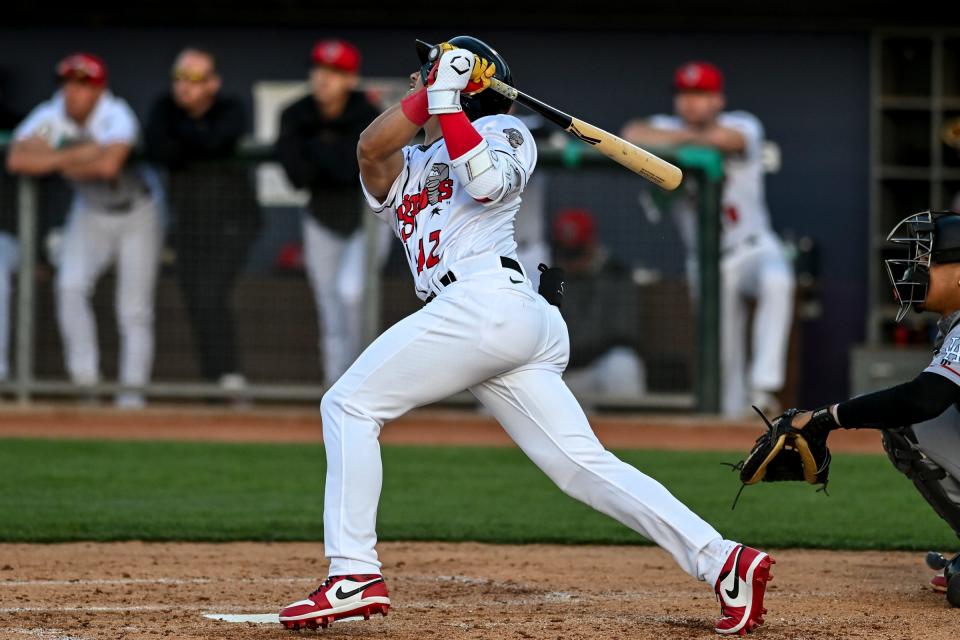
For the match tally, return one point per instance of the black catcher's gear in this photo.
(930, 237)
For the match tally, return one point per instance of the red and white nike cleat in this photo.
(740, 589)
(939, 583)
(337, 598)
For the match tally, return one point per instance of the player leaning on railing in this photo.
(452, 201)
(919, 420)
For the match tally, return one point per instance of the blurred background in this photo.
(860, 108)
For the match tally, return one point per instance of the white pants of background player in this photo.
(755, 271)
(618, 372)
(336, 268)
(9, 255)
(93, 240)
(509, 347)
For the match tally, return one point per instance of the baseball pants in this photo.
(939, 439)
(335, 268)
(757, 272)
(509, 347)
(93, 240)
(9, 255)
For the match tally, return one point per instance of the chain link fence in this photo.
(670, 330)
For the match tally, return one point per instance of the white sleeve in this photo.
(42, 117)
(118, 125)
(946, 361)
(513, 153)
(381, 209)
(749, 127)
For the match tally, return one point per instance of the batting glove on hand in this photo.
(449, 76)
(483, 71)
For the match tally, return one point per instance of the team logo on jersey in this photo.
(437, 188)
(514, 137)
(439, 172)
(952, 352)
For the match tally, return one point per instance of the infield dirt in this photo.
(133, 590)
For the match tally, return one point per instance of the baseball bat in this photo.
(656, 170)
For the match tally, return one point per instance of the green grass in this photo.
(89, 490)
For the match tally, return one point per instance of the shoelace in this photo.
(321, 587)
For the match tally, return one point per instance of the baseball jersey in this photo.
(946, 356)
(112, 121)
(744, 203)
(437, 221)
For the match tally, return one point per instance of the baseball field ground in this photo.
(139, 525)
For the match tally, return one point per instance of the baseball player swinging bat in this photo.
(656, 170)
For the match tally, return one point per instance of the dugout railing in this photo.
(684, 327)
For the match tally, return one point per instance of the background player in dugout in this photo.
(192, 131)
(317, 146)
(600, 307)
(483, 328)
(752, 262)
(85, 134)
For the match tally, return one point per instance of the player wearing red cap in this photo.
(85, 134)
(752, 262)
(317, 148)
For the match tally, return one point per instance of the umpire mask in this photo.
(930, 237)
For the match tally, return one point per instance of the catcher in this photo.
(919, 421)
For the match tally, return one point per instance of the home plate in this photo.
(259, 618)
(255, 618)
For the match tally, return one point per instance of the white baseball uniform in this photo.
(109, 221)
(484, 329)
(9, 257)
(752, 267)
(336, 270)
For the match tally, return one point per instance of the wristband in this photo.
(415, 107)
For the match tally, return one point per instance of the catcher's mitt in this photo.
(788, 453)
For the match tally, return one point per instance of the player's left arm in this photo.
(485, 165)
(92, 161)
(103, 157)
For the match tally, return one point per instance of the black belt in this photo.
(449, 277)
(124, 206)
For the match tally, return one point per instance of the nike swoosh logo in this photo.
(733, 593)
(516, 281)
(343, 595)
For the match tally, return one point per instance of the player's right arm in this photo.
(644, 133)
(33, 150)
(379, 149)
(33, 156)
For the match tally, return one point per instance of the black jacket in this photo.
(321, 155)
(210, 191)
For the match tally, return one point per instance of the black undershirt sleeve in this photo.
(923, 398)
